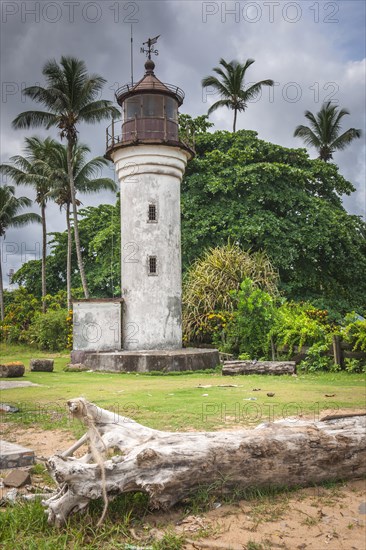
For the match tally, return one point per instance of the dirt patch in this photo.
(309, 519)
(44, 443)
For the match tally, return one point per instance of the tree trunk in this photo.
(68, 259)
(235, 115)
(44, 253)
(258, 367)
(2, 312)
(75, 215)
(171, 466)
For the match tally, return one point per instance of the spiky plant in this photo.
(210, 281)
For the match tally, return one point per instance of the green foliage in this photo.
(50, 330)
(249, 330)
(20, 311)
(265, 197)
(355, 333)
(207, 299)
(25, 324)
(354, 365)
(299, 325)
(317, 358)
(100, 239)
(189, 127)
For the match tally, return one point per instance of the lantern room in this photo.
(149, 112)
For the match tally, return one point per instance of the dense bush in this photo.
(355, 332)
(50, 330)
(20, 311)
(298, 325)
(25, 324)
(208, 301)
(248, 332)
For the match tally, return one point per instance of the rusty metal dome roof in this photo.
(149, 83)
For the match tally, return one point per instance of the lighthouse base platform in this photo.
(186, 359)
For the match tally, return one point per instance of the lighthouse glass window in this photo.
(152, 213)
(152, 105)
(132, 108)
(171, 108)
(153, 268)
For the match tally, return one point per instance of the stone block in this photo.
(14, 456)
(76, 367)
(14, 369)
(17, 478)
(41, 365)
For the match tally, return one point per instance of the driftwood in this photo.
(126, 456)
(258, 367)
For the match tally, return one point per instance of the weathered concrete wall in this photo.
(189, 359)
(151, 174)
(97, 325)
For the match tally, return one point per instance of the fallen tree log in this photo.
(125, 456)
(258, 367)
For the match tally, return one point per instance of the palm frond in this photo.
(36, 119)
(97, 111)
(345, 139)
(24, 219)
(219, 103)
(309, 137)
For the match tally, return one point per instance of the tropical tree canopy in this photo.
(70, 97)
(35, 169)
(324, 132)
(269, 198)
(100, 235)
(10, 216)
(231, 86)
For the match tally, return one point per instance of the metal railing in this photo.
(143, 129)
(158, 86)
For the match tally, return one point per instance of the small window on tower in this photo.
(153, 268)
(152, 216)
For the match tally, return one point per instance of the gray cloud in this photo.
(313, 50)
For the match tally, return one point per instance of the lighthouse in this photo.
(141, 330)
(150, 161)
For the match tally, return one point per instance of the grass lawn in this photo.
(178, 401)
(171, 402)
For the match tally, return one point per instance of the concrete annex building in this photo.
(150, 161)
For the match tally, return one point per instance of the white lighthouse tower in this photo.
(150, 161)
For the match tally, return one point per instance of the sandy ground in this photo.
(308, 519)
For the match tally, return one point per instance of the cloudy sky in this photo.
(313, 50)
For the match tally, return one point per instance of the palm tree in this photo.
(9, 217)
(34, 169)
(231, 86)
(324, 132)
(85, 181)
(70, 98)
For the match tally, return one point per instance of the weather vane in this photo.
(149, 49)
